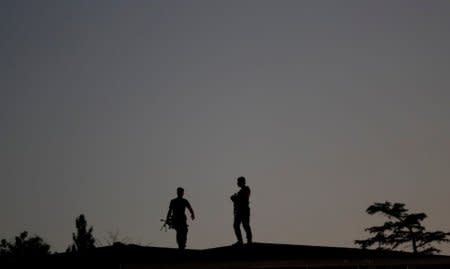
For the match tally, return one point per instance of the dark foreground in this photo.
(256, 256)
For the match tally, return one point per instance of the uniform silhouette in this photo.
(241, 203)
(177, 217)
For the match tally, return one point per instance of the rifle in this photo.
(167, 224)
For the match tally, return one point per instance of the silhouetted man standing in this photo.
(177, 217)
(241, 201)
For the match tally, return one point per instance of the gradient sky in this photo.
(106, 107)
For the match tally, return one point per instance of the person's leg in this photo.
(247, 228)
(183, 237)
(182, 230)
(237, 229)
(179, 241)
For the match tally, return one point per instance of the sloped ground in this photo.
(257, 256)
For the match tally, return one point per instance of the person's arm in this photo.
(191, 210)
(169, 213)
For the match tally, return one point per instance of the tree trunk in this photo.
(414, 243)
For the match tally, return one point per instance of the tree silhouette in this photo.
(83, 239)
(400, 229)
(24, 246)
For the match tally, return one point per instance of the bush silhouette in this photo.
(24, 246)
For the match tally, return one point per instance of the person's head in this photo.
(180, 192)
(241, 181)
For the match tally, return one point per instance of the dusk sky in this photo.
(106, 107)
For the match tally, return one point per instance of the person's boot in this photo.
(238, 244)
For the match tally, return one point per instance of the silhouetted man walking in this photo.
(177, 217)
(241, 201)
